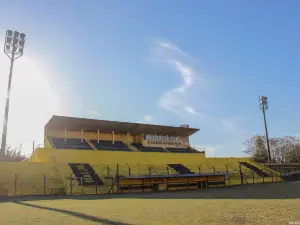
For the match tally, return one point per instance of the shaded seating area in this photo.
(142, 148)
(182, 150)
(69, 143)
(110, 146)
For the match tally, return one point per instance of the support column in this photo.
(128, 136)
(113, 137)
(98, 136)
(81, 135)
(65, 134)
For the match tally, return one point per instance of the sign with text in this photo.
(164, 143)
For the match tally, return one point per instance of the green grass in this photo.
(277, 203)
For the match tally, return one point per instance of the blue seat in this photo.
(142, 148)
(110, 146)
(70, 143)
(182, 150)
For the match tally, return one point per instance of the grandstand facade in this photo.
(84, 156)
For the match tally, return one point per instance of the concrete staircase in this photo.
(181, 169)
(255, 169)
(132, 148)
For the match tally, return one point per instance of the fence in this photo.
(44, 185)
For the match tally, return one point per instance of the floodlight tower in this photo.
(263, 102)
(13, 48)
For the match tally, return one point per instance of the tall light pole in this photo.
(13, 48)
(263, 100)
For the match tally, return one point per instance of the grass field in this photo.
(277, 203)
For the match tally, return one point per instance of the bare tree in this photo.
(13, 154)
(284, 149)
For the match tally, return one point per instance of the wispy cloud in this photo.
(210, 151)
(229, 125)
(181, 98)
(146, 119)
(94, 113)
(191, 110)
(175, 48)
(179, 61)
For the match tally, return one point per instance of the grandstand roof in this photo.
(92, 125)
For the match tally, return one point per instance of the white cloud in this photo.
(146, 119)
(170, 100)
(174, 99)
(172, 47)
(94, 113)
(186, 73)
(191, 110)
(210, 151)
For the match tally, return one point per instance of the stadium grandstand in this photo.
(86, 156)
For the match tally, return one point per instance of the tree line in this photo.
(13, 154)
(284, 149)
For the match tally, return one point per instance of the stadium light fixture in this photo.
(263, 103)
(14, 49)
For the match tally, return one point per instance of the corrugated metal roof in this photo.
(105, 126)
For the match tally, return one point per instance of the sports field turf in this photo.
(277, 203)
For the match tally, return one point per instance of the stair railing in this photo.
(199, 169)
(226, 168)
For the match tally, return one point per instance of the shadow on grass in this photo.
(282, 190)
(76, 214)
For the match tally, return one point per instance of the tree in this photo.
(13, 154)
(284, 149)
(261, 152)
(255, 147)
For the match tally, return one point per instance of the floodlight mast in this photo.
(263, 101)
(13, 48)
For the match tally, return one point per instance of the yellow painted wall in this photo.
(166, 144)
(108, 136)
(27, 178)
(89, 135)
(47, 143)
(109, 157)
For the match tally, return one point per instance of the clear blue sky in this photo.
(203, 63)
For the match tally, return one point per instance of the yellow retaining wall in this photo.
(114, 157)
(27, 178)
(23, 178)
